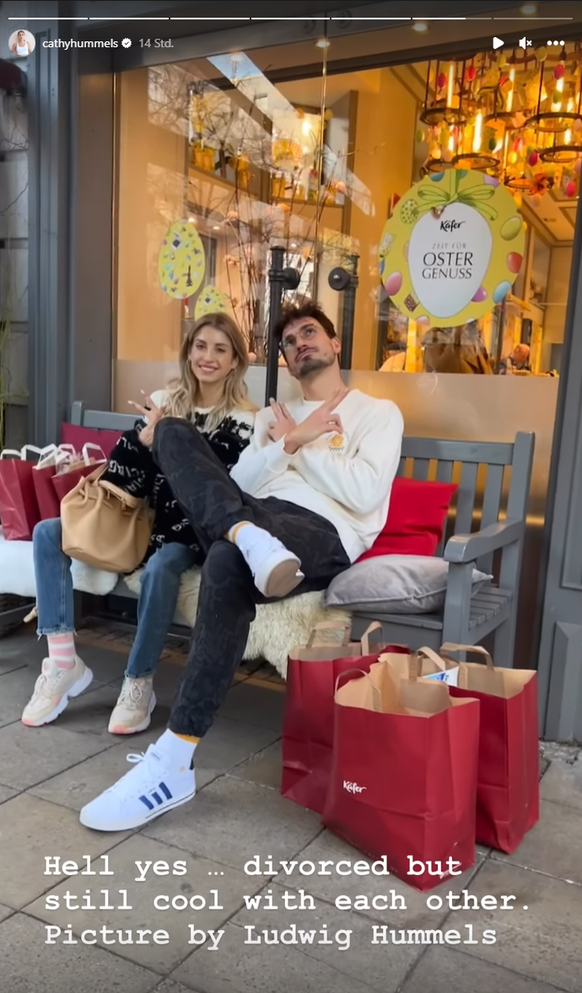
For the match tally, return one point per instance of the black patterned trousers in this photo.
(213, 503)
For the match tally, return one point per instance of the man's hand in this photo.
(321, 421)
(282, 424)
(152, 414)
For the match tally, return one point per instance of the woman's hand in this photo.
(282, 424)
(152, 414)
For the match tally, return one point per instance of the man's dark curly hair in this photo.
(306, 311)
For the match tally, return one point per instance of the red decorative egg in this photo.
(570, 190)
(393, 283)
(559, 71)
(441, 80)
(514, 262)
(471, 74)
(533, 158)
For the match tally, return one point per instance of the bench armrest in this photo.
(469, 547)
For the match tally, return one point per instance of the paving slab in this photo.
(5, 912)
(30, 830)
(31, 966)
(562, 783)
(89, 714)
(15, 691)
(169, 986)
(230, 821)
(201, 879)
(409, 905)
(22, 646)
(227, 744)
(443, 970)
(6, 793)
(106, 665)
(543, 942)
(31, 755)
(288, 969)
(264, 768)
(553, 846)
(255, 705)
(83, 782)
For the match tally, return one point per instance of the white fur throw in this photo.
(278, 627)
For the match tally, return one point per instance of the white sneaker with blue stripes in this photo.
(154, 786)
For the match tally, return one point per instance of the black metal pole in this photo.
(280, 279)
(348, 315)
(276, 288)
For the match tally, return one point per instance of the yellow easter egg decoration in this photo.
(210, 301)
(181, 261)
(452, 248)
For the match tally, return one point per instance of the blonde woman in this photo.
(210, 392)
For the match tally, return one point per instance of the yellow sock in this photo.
(231, 535)
(187, 737)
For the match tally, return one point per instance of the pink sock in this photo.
(62, 649)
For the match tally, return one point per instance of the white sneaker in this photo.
(53, 690)
(276, 570)
(134, 707)
(152, 787)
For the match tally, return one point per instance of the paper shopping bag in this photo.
(308, 719)
(404, 774)
(508, 803)
(53, 458)
(19, 511)
(426, 663)
(66, 480)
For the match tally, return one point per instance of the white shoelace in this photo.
(133, 691)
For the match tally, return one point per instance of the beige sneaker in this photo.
(133, 710)
(52, 691)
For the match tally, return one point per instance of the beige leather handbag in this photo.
(104, 526)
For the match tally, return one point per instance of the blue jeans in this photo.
(160, 584)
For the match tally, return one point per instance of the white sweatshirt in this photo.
(345, 478)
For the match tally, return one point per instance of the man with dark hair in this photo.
(307, 498)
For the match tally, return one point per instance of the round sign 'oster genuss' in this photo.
(452, 249)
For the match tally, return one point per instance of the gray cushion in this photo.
(401, 584)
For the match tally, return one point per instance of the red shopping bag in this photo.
(19, 512)
(404, 775)
(66, 481)
(508, 802)
(48, 503)
(74, 434)
(308, 719)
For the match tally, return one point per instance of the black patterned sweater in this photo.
(133, 469)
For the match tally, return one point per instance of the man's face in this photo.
(520, 355)
(308, 348)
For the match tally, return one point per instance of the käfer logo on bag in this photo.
(353, 787)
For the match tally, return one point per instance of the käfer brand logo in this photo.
(353, 787)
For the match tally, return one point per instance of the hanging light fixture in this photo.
(519, 119)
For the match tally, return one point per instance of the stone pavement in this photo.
(47, 774)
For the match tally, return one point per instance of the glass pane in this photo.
(278, 147)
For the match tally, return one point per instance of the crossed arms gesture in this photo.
(321, 421)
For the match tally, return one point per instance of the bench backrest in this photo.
(494, 478)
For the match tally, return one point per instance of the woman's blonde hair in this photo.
(185, 390)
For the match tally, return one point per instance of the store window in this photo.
(229, 156)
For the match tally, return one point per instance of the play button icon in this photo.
(498, 43)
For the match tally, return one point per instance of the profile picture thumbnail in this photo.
(21, 43)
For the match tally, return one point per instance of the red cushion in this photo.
(73, 434)
(416, 518)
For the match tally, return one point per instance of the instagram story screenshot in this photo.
(290, 480)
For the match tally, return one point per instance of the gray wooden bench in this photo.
(486, 529)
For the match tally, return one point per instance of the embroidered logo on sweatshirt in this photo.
(337, 443)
